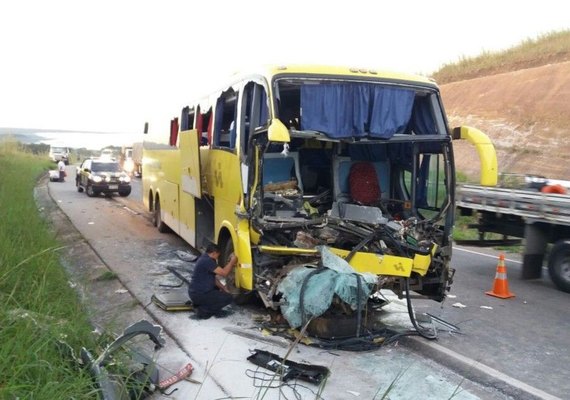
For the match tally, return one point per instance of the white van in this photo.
(57, 153)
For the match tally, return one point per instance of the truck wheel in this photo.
(559, 265)
(157, 219)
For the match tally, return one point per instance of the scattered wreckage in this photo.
(139, 374)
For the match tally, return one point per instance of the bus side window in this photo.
(225, 130)
(203, 126)
(187, 118)
(255, 112)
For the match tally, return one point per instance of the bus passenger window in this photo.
(204, 126)
(187, 118)
(255, 112)
(225, 131)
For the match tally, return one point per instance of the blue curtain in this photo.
(421, 189)
(353, 110)
(328, 109)
(361, 109)
(391, 111)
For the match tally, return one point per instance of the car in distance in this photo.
(97, 176)
(59, 153)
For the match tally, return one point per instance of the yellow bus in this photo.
(278, 162)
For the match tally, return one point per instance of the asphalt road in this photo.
(520, 347)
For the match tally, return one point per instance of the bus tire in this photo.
(559, 265)
(157, 219)
(227, 249)
(240, 296)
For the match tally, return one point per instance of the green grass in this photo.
(461, 231)
(38, 306)
(549, 48)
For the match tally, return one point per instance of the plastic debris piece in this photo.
(185, 372)
(458, 305)
(288, 369)
(266, 332)
(121, 291)
(486, 307)
(338, 277)
(352, 392)
(451, 296)
(186, 256)
(91, 223)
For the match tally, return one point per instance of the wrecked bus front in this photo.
(362, 165)
(306, 169)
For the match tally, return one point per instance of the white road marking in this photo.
(489, 255)
(484, 368)
(484, 255)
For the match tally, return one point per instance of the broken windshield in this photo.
(354, 109)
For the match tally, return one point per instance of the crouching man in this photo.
(208, 294)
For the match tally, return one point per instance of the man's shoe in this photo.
(200, 315)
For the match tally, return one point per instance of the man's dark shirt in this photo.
(203, 278)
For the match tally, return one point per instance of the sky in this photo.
(110, 66)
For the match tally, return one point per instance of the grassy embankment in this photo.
(549, 48)
(38, 306)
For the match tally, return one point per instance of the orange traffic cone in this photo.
(501, 285)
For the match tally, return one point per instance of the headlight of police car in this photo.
(96, 178)
(125, 179)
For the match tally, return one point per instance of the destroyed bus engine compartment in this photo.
(384, 202)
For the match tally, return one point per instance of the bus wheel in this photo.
(240, 296)
(157, 219)
(227, 250)
(559, 265)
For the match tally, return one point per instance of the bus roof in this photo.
(349, 72)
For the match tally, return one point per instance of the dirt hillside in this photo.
(525, 112)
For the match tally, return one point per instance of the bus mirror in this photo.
(278, 132)
(485, 149)
(145, 128)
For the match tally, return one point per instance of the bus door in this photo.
(191, 187)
